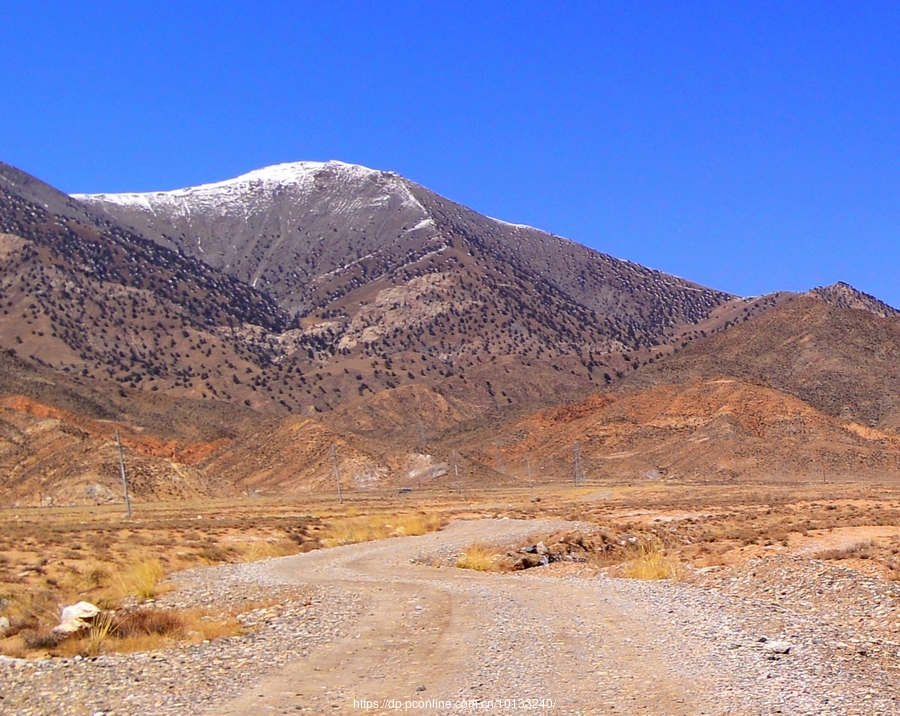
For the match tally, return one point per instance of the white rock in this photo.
(76, 617)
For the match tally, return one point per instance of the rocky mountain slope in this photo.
(309, 233)
(235, 332)
(83, 295)
(805, 390)
(384, 274)
(719, 430)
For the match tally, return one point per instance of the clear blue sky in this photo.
(749, 146)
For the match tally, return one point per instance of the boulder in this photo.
(76, 617)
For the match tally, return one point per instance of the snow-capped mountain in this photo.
(281, 228)
(308, 232)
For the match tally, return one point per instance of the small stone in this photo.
(778, 647)
(420, 687)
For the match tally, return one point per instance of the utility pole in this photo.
(337, 476)
(124, 479)
(423, 443)
(579, 469)
(456, 470)
(528, 469)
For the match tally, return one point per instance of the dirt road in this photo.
(370, 629)
(445, 640)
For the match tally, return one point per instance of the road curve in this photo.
(451, 641)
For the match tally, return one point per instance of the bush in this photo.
(144, 622)
(41, 639)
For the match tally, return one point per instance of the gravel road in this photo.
(370, 629)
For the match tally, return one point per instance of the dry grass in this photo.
(481, 558)
(859, 549)
(372, 527)
(652, 562)
(55, 557)
(101, 630)
(267, 549)
(142, 579)
(58, 556)
(146, 630)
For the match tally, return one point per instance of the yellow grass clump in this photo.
(266, 549)
(652, 562)
(480, 557)
(141, 579)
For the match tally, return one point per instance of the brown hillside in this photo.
(719, 430)
(841, 361)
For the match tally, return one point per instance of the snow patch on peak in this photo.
(258, 184)
(514, 226)
(291, 172)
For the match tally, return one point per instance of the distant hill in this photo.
(843, 295)
(840, 360)
(720, 431)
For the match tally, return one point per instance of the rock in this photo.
(777, 647)
(527, 561)
(4, 626)
(541, 548)
(76, 617)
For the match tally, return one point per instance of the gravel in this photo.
(292, 621)
(776, 636)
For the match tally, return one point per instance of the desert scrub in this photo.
(147, 630)
(860, 549)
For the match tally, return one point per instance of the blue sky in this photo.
(748, 146)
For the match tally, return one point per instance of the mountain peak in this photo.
(293, 172)
(843, 295)
(304, 175)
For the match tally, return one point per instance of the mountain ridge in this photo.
(320, 189)
(364, 311)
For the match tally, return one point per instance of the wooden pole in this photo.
(124, 479)
(456, 471)
(337, 476)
